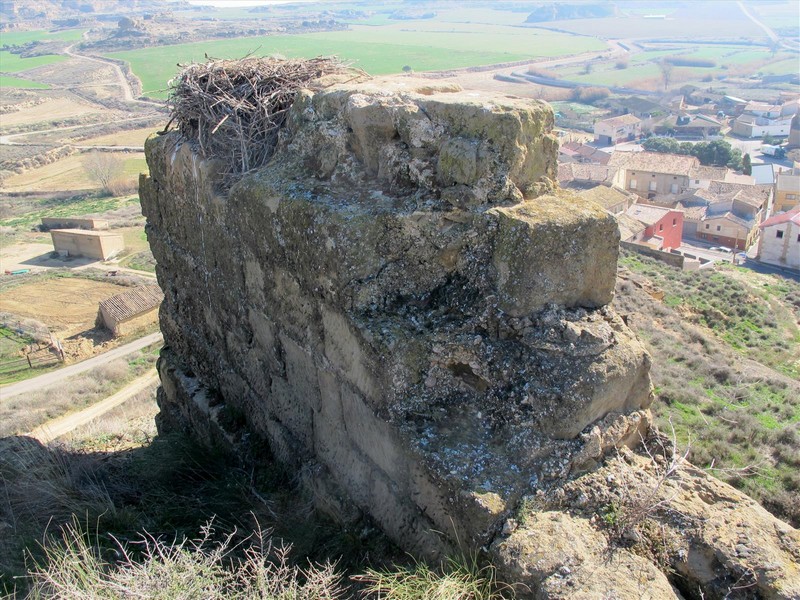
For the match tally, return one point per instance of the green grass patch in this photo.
(377, 50)
(17, 38)
(17, 82)
(11, 342)
(618, 77)
(14, 63)
(66, 207)
(784, 67)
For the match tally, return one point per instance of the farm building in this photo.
(617, 129)
(49, 223)
(130, 310)
(101, 245)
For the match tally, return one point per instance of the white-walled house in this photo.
(780, 240)
(612, 131)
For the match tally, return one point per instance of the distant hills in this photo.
(558, 12)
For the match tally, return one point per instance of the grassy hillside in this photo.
(726, 364)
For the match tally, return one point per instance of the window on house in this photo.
(719, 228)
(791, 196)
(674, 222)
(674, 188)
(661, 227)
(653, 186)
(697, 181)
(633, 184)
(779, 234)
(707, 226)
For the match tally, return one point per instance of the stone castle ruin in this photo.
(417, 322)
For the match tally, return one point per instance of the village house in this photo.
(624, 128)
(752, 126)
(130, 310)
(780, 240)
(663, 226)
(787, 190)
(100, 245)
(582, 153)
(719, 225)
(726, 214)
(630, 229)
(689, 127)
(762, 109)
(764, 174)
(794, 133)
(613, 199)
(651, 174)
(582, 176)
(702, 176)
(641, 108)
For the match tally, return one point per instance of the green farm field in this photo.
(720, 20)
(16, 38)
(18, 82)
(12, 63)
(377, 50)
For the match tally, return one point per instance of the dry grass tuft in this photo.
(234, 108)
(204, 567)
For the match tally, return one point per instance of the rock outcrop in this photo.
(406, 309)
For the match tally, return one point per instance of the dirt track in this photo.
(58, 427)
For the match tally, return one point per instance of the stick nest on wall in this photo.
(234, 109)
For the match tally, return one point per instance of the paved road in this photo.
(788, 44)
(62, 425)
(35, 383)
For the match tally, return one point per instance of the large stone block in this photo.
(400, 301)
(556, 249)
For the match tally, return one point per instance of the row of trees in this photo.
(718, 153)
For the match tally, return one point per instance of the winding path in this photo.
(122, 81)
(62, 425)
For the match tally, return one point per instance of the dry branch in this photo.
(234, 109)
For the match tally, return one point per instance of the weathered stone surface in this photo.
(712, 540)
(405, 309)
(557, 556)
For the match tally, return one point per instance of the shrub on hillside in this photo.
(685, 61)
(587, 95)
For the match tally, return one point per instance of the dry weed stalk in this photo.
(234, 109)
(641, 502)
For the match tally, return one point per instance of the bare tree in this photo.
(104, 168)
(666, 72)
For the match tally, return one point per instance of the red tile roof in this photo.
(790, 215)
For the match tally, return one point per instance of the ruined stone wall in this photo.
(402, 305)
(399, 303)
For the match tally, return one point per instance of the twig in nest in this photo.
(234, 109)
